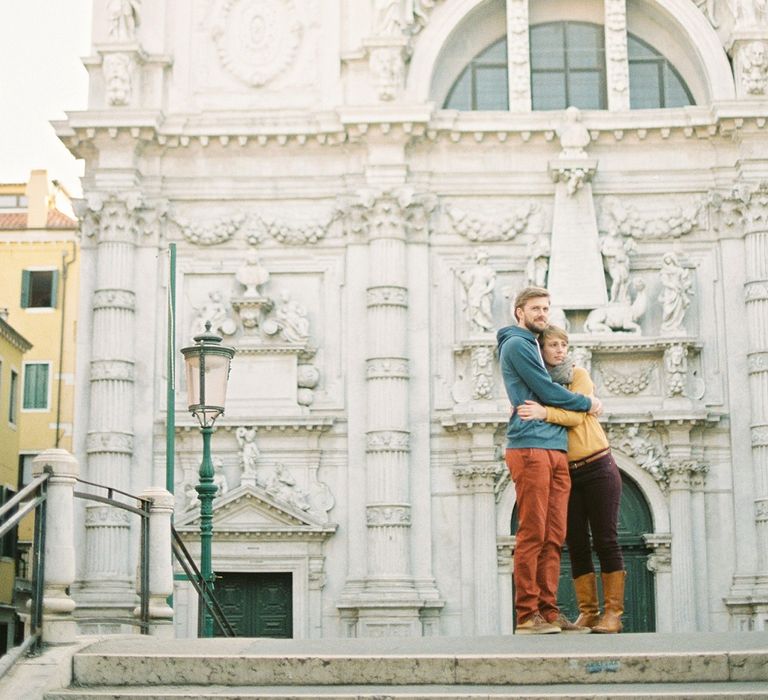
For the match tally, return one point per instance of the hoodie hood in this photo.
(504, 334)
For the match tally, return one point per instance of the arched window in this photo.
(653, 81)
(568, 68)
(482, 85)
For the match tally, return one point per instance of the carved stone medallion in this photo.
(257, 39)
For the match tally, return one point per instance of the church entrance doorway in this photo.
(257, 604)
(639, 600)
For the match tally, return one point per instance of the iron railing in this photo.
(208, 602)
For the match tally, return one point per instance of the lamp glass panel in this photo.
(216, 373)
(192, 363)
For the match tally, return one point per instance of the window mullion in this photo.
(518, 56)
(616, 55)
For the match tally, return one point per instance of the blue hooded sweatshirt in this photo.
(525, 377)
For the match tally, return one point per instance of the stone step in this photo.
(629, 691)
(431, 661)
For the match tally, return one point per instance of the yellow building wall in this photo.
(52, 341)
(11, 358)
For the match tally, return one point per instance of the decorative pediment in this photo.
(248, 511)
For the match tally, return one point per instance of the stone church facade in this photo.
(356, 190)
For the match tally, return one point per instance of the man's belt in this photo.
(588, 460)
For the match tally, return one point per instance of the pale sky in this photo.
(41, 77)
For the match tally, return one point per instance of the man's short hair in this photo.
(525, 294)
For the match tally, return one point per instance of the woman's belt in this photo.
(587, 460)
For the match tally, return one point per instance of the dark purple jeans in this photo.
(594, 506)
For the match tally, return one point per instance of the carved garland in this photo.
(476, 227)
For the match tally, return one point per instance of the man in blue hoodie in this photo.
(536, 459)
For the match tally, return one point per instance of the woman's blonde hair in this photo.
(552, 332)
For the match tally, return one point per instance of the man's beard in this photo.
(537, 328)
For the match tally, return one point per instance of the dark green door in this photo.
(639, 601)
(257, 604)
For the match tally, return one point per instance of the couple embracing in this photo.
(566, 481)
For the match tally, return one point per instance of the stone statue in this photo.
(249, 450)
(387, 18)
(749, 12)
(615, 251)
(619, 316)
(215, 311)
(219, 479)
(675, 294)
(536, 267)
(292, 319)
(123, 18)
(282, 486)
(573, 135)
(676, 368)
(478, 283)
(252, 275)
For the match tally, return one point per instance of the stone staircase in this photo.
(552, 666)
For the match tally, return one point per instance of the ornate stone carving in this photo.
(117, 68)
(626, 384)
(627, 221)
(321, 499)
(123, 17)
(757, 362)
(482, 372)
(477, 227)
(746, 203)
(621, 315)
(675, 296)
(616, 250)
(477, 285)
(676, 369)
(211, 233)
(709, 8)
(101, 516)
(582, 357)
(616, 46)
(257, 40)
(388, 368)
(118, 370)
(478, 476)
(114, 299)
(288, 233)
(308, 377)
(252, 275)
(574, 176)
(660, 560)
(109, 442)
(291, 318)
(387, 440)
(395, 18)
(645, 447)
(760, 436)
(683, 473)
(761, 510)
(378, 516)
(754, 68)
(387, 296)
(215, 311)
(387, 66)
(279, 483)
(755, 291)
(518, 55)
(119, 218)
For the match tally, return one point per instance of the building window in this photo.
(13, 201)
(8, 541)
(36, 386)
(38, 288)
(568, 68)
(25, 469)
(13, 397)
(653, 81)
(483, 83)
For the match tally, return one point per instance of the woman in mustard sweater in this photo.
(593, 504)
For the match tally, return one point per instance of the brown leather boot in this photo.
(613, 595)
(586, 596)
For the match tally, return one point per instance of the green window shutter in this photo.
(54, 288)
(25, 279)
(35, 386)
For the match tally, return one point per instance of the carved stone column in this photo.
(518, 56)
(616, 57)
(114, 224)
(476, 484)
(389, 604)
(756, 304)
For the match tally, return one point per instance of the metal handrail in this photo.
(204, 591)
(143, 512)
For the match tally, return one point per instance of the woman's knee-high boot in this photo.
(613, 596)
(586, 595)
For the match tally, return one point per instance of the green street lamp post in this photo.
(207, 364)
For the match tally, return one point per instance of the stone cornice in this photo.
(284, 425)
(407, 122)
(14, 337)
